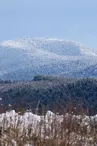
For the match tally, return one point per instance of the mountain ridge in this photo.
(39, 43)
(25, 57)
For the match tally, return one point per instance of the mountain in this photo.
(90, 72)
(22, 59)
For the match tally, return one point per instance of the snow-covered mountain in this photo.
(90, 71)
(24, 58)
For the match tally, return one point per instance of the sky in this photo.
(74, 20)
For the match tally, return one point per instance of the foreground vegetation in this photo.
(51, 130)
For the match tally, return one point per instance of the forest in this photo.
(49, 93)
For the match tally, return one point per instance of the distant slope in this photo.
(89, 72)
(24, 58)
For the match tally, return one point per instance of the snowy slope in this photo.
(57, 46)
(22, 59)
(90, 71)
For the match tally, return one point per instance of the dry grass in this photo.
(70, 130)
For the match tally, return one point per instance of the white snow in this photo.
(70, 47)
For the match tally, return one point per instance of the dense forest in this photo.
(49, 93)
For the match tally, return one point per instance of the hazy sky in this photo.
(69, 19)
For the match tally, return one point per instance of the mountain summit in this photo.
(57, 46)
(22, 59)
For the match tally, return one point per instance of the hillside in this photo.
(48, 94)
(90, 72)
